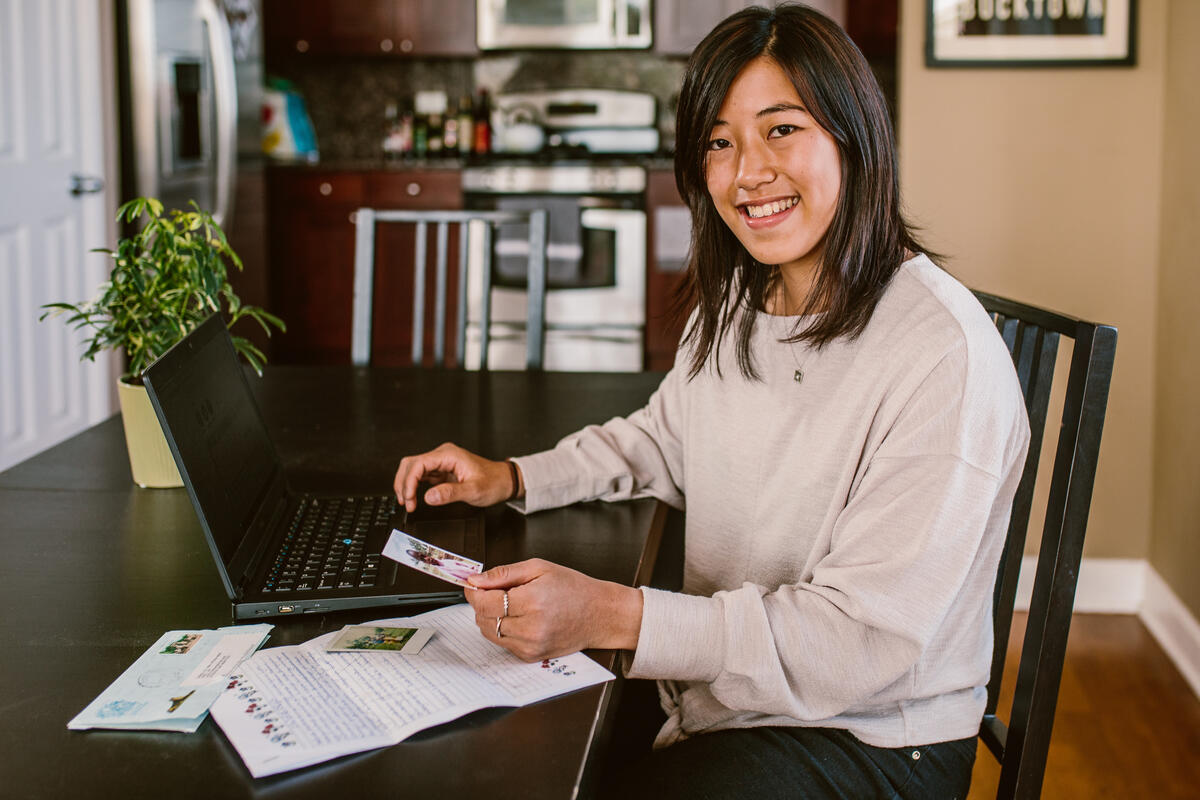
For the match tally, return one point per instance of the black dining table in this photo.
(94, 569)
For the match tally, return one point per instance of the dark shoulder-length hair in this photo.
(868, 236)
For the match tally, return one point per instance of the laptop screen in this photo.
(205, 403)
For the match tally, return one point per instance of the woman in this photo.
(844, 426)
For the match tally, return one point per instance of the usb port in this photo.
(286, 609)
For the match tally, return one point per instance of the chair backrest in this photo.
(1033, 336)
(487, 223)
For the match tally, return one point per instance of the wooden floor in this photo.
(1127, 724)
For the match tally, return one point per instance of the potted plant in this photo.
(166, 279)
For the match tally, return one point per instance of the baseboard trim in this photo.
(1173, 625)
(1106, 585)
(1131, 586)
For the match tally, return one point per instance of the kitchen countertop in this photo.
(655, 161)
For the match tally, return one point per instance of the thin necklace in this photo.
(798, 374)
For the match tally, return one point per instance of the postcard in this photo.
(171, 686)
(430, 559)
(367, 638)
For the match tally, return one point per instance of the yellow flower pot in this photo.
(150, 458)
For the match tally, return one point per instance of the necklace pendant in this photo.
(798, 376)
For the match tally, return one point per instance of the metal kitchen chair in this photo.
(486, 222)
(1033, 335)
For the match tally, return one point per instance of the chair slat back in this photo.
(1034, 350)
(366, 221)
(1033, 336)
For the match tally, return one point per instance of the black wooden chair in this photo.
(1033, 336)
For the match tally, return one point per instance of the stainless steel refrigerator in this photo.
(191, 94)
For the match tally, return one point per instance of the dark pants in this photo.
(778, 762)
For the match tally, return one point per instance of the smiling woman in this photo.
(810, 105)
(774, 176)
(845, 429)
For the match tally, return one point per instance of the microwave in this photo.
(562, 24)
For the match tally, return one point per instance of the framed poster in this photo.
(1032, 33)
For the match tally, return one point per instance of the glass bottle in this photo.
(450, 133)
(482, 143)
(406, 129)
(392, 134)
(435, 135)
(466, 126)
(420, 136)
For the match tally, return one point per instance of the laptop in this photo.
(280, 551)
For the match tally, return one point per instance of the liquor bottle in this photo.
(406, 129)
(435, 135)
(482, 143)
(429, 107)
(466, 126)
(450, 133)
(420, 136)
(392, 139)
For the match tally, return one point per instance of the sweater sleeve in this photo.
(625, 458)
(913, 547)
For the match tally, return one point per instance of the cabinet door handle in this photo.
(326, 188)
(301, 45)
(413, 189)
(406, 45)
(386, 45)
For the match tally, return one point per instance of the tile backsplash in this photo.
(346, 98)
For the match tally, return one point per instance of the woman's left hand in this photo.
(553, 610)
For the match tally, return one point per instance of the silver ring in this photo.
(505, 614)
(499, 635)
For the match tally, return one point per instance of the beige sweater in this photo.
(842, 533)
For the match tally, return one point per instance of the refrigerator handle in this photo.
(220, 47)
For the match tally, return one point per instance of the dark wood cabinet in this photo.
(293, 28)
(312, 262)
(441, 27)
(395, 256)
(668, 230)
(312, 233)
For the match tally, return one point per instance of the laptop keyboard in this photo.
(326, 545)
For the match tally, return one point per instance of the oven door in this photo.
(597, 325)
(616, 298)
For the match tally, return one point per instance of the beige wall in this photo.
(1046, 185)
(1175, 545)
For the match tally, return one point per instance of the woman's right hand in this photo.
(456, 475)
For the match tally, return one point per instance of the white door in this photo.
(51, 128)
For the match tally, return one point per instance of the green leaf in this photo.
(166, 278)
(264, 318)
(251, 353)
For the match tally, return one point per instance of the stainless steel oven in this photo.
(596, 265)
(562, 24)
